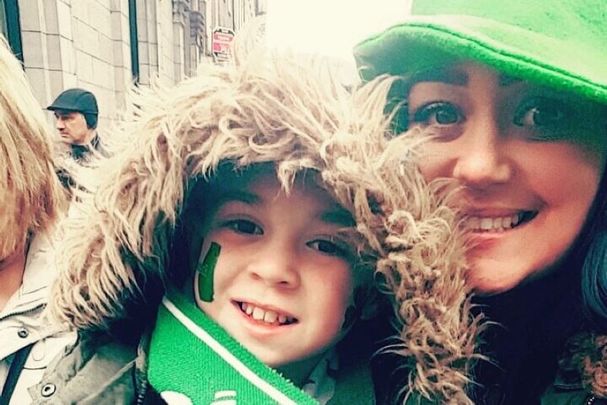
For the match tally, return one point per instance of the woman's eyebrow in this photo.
(454, 76)
(505, 80)
(443, 75)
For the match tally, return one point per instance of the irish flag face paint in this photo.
(206, 270)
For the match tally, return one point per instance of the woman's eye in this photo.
(543, 113)
(436, 113)
(244, 226)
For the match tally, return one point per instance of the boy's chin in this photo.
(298, 371)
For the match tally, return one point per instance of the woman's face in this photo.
(529, 160)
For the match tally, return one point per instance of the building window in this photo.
(134, 40)
(10, 25)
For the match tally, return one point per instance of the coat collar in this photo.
(40, 271)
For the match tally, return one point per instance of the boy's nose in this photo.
(276, 268)
(482, 159)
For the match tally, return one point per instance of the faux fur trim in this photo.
(271, 108)
(586, 357)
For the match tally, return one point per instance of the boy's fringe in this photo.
(275, 109)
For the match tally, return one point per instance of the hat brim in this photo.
(69, 109)
(423, 42)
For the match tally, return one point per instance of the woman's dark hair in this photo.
(594, 280)
(594, 269)
(397, 106)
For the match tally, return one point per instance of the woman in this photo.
(518, 115)
(515, 94)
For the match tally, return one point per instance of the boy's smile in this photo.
(265, 315)
(283, 279)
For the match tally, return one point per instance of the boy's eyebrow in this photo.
(237, 195)
(339, 217)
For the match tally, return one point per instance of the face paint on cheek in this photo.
(206, 270)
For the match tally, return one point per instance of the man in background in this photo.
(76, 113)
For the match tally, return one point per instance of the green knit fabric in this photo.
(183, 358)
(561, 44)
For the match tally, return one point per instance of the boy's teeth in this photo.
(493, 224)
(260, 314)
(270, 317)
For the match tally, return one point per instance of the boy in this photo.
(284, 282)
(257, 199)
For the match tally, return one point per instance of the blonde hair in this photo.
(28, 184)
(273, 108)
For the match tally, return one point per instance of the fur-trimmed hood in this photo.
(274, 109)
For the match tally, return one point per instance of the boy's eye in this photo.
(438, 113)
(244, 226)
(544, 114)
(329, 247)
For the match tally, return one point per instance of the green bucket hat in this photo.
(560, 44)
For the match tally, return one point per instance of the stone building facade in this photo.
(107, 45)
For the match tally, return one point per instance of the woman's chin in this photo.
(488, 277)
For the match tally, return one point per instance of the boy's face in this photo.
(283, 279)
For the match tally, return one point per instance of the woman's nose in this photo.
(483, 158)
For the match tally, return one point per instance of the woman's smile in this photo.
(497, 223)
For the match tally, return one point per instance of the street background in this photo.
(105, 46)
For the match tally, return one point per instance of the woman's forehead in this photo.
(459, 73)
(463, 72)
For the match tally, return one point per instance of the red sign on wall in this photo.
(222, 40)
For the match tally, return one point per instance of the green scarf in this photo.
(193, 356)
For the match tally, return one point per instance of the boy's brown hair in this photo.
(294, 113)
